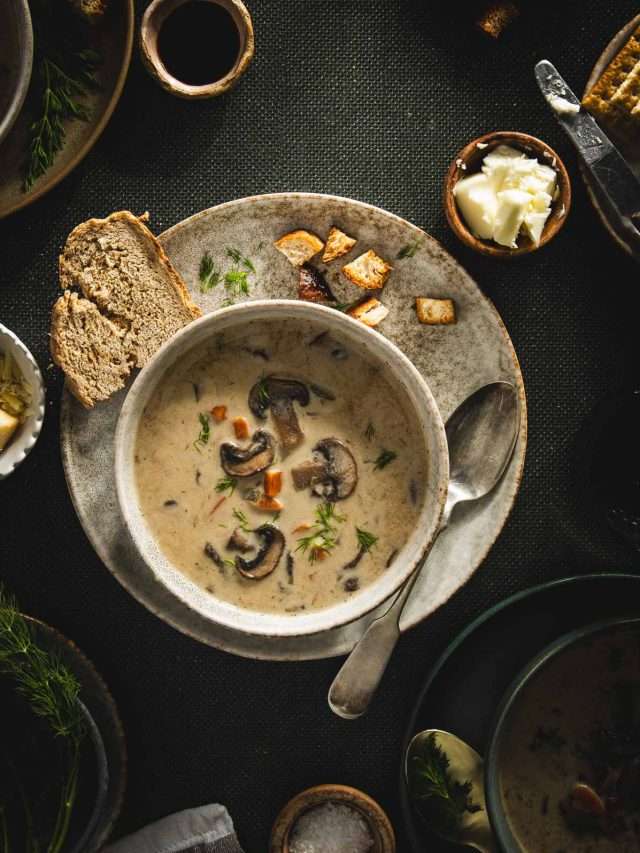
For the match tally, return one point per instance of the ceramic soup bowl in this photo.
(391, 365)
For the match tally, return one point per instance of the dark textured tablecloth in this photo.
(368, 99)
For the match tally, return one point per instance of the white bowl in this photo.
(27, 434)
(16, 52)
(395, 367)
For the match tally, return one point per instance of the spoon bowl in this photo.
(465, 764)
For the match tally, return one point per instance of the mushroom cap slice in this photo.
(239, 462)
(341, 470)
(279, 394)
(267, 558)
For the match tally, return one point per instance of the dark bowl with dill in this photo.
(54, 784)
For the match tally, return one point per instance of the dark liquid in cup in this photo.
(199, 43)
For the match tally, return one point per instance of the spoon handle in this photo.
(355, 684)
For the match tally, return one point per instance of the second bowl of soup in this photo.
(281, 467)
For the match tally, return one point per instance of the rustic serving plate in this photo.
(113, 39)
(609, 220)
(454, 360)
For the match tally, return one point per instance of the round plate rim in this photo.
(271, 652)
(463, 635)
(601, 63)
(31, 196)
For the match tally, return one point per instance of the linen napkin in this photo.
(207, 829)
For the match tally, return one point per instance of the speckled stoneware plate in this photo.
(601, 204)
(113, 39)
(455, 360)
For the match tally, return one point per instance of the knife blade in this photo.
(606, 164)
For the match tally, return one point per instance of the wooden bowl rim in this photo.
(157, 12)
(372, 811)
(470, 152)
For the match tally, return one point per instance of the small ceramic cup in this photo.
(155, 15)
(374, 816)
(469, 160)
(27, 434)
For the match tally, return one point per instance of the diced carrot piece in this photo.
(319, 553)
(219, 413)
(272, 482)
(304, 525)
(241, 427)
(268, 504)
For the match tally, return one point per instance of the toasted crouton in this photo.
(312, 285)
(299, 246)
(436, 312)
(338, 244)
(368, 271)
(371, 312)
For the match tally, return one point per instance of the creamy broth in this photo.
(177, 475)
(549, 740)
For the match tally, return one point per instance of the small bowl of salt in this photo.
(332, 819)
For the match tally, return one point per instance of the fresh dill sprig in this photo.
(263, 392)
(64, 73)
(243, 521)
(323, 536)
(52, 692)
(384, 458)
(366, 540)
(409, 250)
(441, 799)
(369, 431)
(226, 484)
(239, 259)
(205, 431)
(236, 283)
(209, 276)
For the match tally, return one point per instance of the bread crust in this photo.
(137, 223)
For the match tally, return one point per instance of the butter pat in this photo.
(510, 196)
(478, 203)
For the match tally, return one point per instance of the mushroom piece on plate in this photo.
(267, 558)
(298, 247)
(245, 462)
(312, 285)
(279, 394)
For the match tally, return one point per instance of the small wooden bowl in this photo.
(155, 15)
(469, 160)
(374, 815)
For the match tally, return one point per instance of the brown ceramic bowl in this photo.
(152, 21)
(469, 160)
(377, 820)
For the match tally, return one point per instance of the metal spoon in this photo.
(465, 764)
(481, 434)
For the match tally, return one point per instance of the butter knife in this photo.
(606, 164)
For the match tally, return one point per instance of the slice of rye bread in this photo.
(126, 277)
(89, 348)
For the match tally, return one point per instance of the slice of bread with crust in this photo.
(436, 312)
(371, 312)
(134, 302)
(89, 348)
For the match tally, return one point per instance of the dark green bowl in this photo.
(497, 815)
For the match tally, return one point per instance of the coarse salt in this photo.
(331, 828)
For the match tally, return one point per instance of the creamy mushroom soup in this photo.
(570, 760)
(278, 470)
